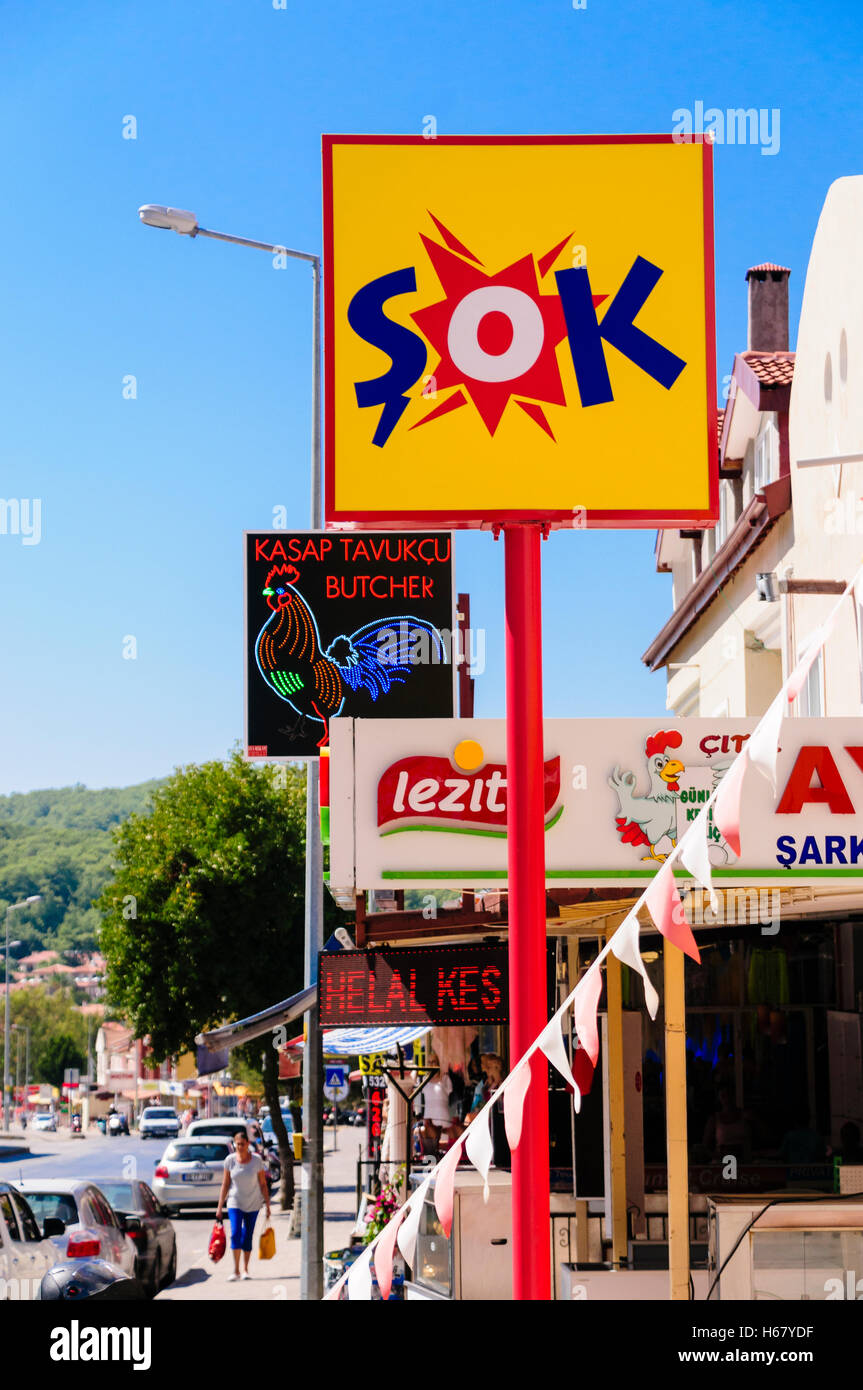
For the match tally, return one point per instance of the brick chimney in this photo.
(768, 308)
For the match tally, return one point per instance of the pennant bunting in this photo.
(763, 746)
(360, 1276)
(726, 810)
(513, 1102)
(406, 1235)
(625, 946)
(666, 908)
(444, 1183)
(584, 1007)
(384, 1251)
(479, 1146)
(552, 1044)
(694, 853)
(583, 1070)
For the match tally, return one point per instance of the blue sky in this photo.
(144, 501)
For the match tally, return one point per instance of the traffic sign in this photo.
(335, 1083)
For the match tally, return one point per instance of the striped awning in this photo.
(350, 1042)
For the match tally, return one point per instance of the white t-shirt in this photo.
(245, 1190)
(436, 1100)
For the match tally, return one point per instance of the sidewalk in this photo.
(279, 1278)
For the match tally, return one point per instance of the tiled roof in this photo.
(771, 368)
(767, 266)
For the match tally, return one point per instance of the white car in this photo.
(93, 1230)
(26, 1253)
(221, 1127)
(190, 1172)
(44, 1120)
(160, 1121)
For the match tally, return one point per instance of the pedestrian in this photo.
(245, 1187)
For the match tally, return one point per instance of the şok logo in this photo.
(496, 334)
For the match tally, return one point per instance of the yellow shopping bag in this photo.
(267, 1243)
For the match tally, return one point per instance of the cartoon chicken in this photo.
(647, 820)
(320, 684)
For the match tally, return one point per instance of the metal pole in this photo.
(677, 1161)
(6, 1032)
(312, 1215)
(531, 1216)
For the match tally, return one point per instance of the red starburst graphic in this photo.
(493, 332)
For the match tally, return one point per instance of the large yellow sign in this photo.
(519, 328)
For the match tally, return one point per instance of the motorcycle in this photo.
(117, 1124)
(76, 1124)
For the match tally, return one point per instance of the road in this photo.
(97, 1156)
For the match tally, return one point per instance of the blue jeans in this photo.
(242, 1228)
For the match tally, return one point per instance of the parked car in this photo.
(155, 1237)
(80, 1279)
(44, 1120)
(160, 1121)
(220, 1127)
(93, 1230)
(190, 1171)
(26, 1250)
(268, 1129)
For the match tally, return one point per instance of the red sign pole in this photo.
(531, 1218)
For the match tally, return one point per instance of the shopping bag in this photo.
(218, 1244)
(267, 1243)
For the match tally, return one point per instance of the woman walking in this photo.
(245, 1187)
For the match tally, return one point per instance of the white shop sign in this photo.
(418, 803)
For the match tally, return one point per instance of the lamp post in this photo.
(13, 907)
(185, 223)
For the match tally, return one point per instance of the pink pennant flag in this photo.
(445, 1182)
(584, 1007)
(726, 808)
(384, 1251)
(582, 1070)
(694, 853)
(666, 908)
(513, 1102)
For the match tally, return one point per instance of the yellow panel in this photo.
(647, 453)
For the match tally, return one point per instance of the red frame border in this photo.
(466, 520)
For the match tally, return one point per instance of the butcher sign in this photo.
(539, 306)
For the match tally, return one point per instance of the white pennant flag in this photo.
(551, 1043)
(407, 1236)
(625, 946)
(763, 746)
(694, 853)
(517, 1084)
(360, 1276)
(479, 1146)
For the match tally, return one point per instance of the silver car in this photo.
(190, 1171)
(93, 1228)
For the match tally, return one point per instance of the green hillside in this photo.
(58, 843)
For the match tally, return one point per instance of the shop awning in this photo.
(350, 1042)
(245, 1029)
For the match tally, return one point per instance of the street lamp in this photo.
(13, 907)
(185, 223)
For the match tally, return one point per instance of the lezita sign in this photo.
(540, 306)
(415, 803)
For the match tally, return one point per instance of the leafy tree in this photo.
(49, 1015)
(204, 918)
(60, 1052)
